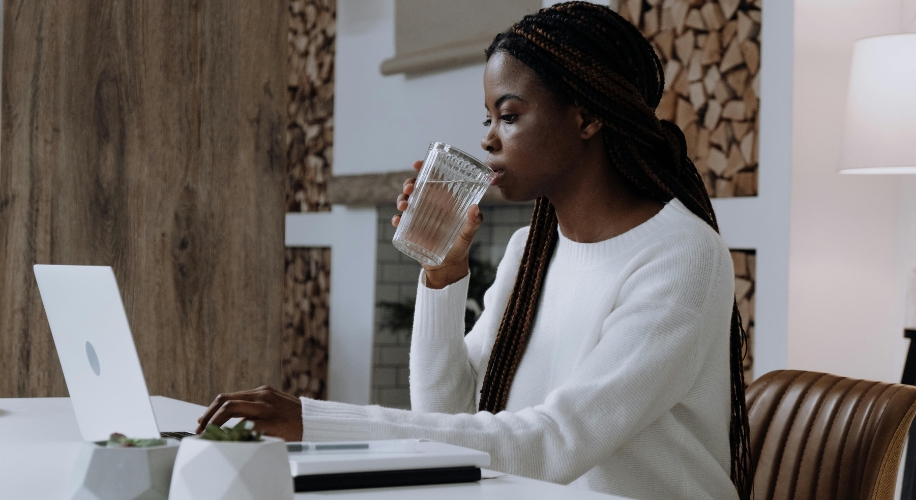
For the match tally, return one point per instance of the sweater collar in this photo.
(589, 253)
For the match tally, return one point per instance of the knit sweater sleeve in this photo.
(646, 360)
(446, 367)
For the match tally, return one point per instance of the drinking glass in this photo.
(448, 184)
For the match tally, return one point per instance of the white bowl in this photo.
(212, 470)
(102, 473)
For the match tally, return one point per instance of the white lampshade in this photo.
(880, 134)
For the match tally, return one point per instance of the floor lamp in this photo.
(880, 138)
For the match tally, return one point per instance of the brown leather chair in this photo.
(820, 436)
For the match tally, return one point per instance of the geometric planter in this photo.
(102, 473)
(214, 470)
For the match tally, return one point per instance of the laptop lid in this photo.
(96, 351)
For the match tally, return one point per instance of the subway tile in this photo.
(400, 272)
(403, 258)
(502, 234)
(386, 252)
(496, 254)
(403, 377)
(374, 396)
(404, 337)
(387, 292)
(503, 215)
(384, 377)
(387, 233)
(391, 355)
(386, 212)
(395, 397)
(385, 337)
(408, 292)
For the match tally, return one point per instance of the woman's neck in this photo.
(599, 204)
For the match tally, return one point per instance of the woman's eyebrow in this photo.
(505, 97)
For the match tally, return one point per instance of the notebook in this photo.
(400, 462)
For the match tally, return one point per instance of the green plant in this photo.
(118, 440)
(242, 431)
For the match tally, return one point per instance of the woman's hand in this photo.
(455, 265)
(273, 413)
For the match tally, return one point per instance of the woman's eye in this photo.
(508, 118)
(487, 122)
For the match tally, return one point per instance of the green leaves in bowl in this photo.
(118, 440)
(242, 431)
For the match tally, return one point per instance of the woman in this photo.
(608, 354)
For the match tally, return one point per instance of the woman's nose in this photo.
(490, 142)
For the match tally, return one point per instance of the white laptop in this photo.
(96, 352)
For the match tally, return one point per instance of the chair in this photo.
(820, 436)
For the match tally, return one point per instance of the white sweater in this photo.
(623, 387)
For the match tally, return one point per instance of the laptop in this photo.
(97, 352)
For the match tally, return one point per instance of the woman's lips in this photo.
(497, 177)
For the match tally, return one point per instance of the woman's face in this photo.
(532, 141)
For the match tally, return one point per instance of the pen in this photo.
(306, 446)
(398, 446)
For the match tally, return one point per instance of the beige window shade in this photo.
(437, 34)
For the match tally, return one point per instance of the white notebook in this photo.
(397, 454)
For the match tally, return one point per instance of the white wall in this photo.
(762, 222)
(384, 124)
(847, 245)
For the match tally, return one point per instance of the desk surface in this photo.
(39, 441)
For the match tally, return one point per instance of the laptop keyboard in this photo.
(176, 435)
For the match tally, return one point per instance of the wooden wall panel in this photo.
(147, 135)
(309, 149)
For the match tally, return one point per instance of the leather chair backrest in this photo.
(820, 436)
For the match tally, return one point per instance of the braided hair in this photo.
(589, 55)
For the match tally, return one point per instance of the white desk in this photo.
(39, 441)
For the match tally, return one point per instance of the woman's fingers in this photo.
(273, 412)
(401, 202)
(249, 410)
(250, 395)
(406, 191)
(468, 231)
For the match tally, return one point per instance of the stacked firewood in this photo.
(310, 130)
(710, 52)
(309, 141)
(745, 262)
(304, 360)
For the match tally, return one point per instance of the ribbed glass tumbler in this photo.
(449, 183)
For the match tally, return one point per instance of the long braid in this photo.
(589, 55)
(516, 323)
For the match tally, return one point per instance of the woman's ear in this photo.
(588, 124)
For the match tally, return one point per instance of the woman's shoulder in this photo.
(515, 248)
(683, 261)
(685, 233)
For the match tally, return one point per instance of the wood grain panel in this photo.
(147, 135)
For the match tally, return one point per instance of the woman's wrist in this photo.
(440, 277)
